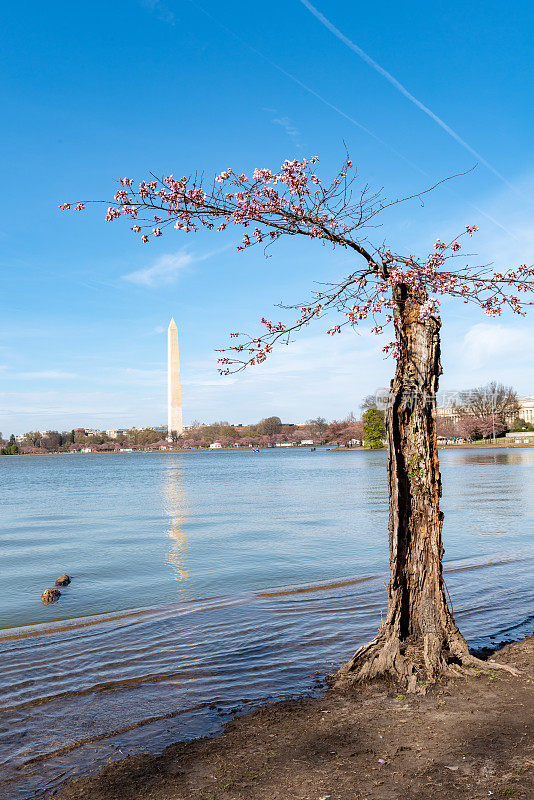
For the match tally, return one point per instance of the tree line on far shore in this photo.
(480, 413)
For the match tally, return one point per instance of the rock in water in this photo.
(50, 595)
(63, 580)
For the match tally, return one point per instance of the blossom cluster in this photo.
(372, 295)
(291, 200)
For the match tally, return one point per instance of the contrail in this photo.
(402, 89)
(308, 89)
(340, 111)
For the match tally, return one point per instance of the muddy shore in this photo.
(466, 738)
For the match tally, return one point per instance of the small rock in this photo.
(50, 595)
(63, 580)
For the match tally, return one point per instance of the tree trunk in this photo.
(419, 639)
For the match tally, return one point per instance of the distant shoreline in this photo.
(499, 444)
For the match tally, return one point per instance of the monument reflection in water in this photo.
(175, 507)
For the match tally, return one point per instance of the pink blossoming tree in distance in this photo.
(419, 640)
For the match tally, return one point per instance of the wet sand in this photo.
(466, 738)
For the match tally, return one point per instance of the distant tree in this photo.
(319, 423)
(32, 439)
(489, 426)
(51, 441)
(521, 425)
(490, 401)
(482, 427)
(269, 426)
(467, 428)
(446, 428)
(11, 449)
(229, 432)
(146, 436)
(209, 433)
(342, 433)
(72, 437)
(374, 431)
(375, 401)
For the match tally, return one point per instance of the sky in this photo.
(91, 93)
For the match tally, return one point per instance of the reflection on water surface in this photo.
(175, 507)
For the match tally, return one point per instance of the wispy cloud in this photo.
(138, 377)
(160, 10)
(402, 89)
(484, 343)
(289, 127)
(164, 270)
(168, 267)
(50, 374)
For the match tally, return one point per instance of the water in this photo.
(205, 583)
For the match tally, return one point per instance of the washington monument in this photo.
(174, 392)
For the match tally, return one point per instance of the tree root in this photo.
(478, 663)
(414, 664)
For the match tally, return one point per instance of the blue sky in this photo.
(94, 92)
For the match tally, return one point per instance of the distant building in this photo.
(526, 411)
(118, 432)
(448, 413)
(526, 408)
(215, 446)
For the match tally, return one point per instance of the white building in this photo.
(215, 446)
(526, 408)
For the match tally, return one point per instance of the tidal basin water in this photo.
(209, 582)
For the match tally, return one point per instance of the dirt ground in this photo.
(467, 738)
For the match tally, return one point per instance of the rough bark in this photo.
(419, 639)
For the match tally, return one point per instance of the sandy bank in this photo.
(468, 738)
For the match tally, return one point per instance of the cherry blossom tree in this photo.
(342, 433)
(419, 638)
(446, 428)
(482, 426)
